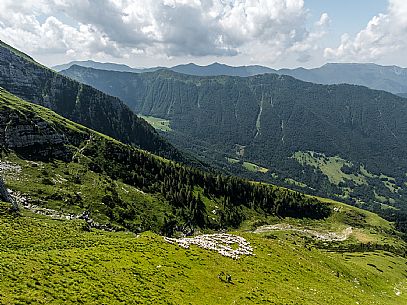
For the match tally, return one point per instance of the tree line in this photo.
(178, 184)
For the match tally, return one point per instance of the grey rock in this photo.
(31, 135)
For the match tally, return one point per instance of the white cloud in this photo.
(384, 35)
(308, 46)
(266, 29)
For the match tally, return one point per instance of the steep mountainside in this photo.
(339, 139)
(75, 158)
(22, 76)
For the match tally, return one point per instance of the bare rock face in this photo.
(31, 136)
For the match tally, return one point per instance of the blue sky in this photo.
(276, 33)
(346, 15)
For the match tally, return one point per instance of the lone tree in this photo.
(5, 196)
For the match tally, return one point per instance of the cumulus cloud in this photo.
(268, 28)
(308, 46)
(385, 34)
(21, 26)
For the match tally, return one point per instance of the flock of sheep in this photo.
(228, 245)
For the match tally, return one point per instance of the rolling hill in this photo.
(344, 141)
(52, 261)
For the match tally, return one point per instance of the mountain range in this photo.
(103, 66)
(94, 209)
(333, 140)
(388, 78)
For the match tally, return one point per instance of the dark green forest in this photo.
(266, 119)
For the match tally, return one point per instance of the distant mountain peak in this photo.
(218, 64)
(97, 65)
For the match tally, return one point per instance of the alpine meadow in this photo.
(203, 152)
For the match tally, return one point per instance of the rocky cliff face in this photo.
(31, 136)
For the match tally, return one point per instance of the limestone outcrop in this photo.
(31, 136)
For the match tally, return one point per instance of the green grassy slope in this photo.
(45, 261)
(157, 123)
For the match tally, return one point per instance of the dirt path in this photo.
(325, 236)
(79, 151)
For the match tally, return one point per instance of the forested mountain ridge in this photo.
(22, 76)
(283, 124)
(168, 194)
(244, 111)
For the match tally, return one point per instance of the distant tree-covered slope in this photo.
(388, 78)
(22, 76)
(280, 114)
(339, 140)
